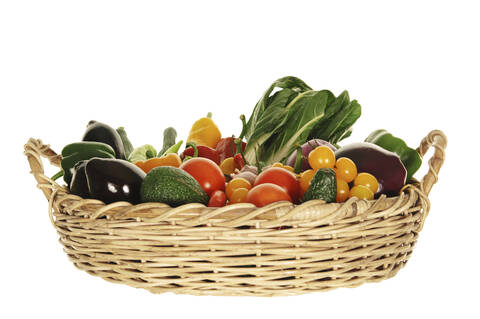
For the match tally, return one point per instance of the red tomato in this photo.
(207, 173)
(218, 199)
(281, 177)
(267, 193)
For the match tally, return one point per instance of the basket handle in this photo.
(35, 150)
(437, 139)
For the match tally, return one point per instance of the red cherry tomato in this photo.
(267, 193)
(206, 172)
(281, 177)
(218, 199)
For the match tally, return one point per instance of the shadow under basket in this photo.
(279, 249)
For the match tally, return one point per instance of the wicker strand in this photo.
(279, 249)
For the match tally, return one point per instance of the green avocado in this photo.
(323, 186)
(172, 186)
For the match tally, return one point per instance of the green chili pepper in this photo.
(409, 157)
(173, 149)
(76, 152)
(142, 153)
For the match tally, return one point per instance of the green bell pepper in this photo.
(409, 157)
(76, 152)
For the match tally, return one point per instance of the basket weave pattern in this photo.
(280, 249)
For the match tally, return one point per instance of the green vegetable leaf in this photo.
(288, 82)
(142, 153)
(303, 115)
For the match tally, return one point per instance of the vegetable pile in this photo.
(287, 151)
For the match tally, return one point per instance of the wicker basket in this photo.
(280, 249)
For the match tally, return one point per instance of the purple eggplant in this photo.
(386, 166)
(306, 149)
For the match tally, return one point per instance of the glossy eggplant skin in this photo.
(100, 132)
(79, 185)
(386, 166)
(112, 180)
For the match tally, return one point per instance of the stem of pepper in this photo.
(194, 146)
(244, 126)
(298, 160)
(57, 176)
(238, 143)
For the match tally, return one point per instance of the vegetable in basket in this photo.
(127, 145)
(203, 151)
(142, 153)
(384, 165)
(100, 132)
(172, 186)
(170, 159)
(409, 157)
(108, 179)
(206, 172)
(293, 115)
(307, 147)
(227, 147)
(76, 152)
(169, 136)
(323, 186)
(205, 132)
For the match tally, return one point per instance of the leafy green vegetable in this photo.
(293, 115)
(142, 153)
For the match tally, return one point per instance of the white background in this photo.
(146, 65)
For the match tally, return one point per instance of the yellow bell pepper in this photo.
(205, 132)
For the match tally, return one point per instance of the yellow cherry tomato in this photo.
(321, 157)
(239, 195)
(343, 191)
(346, 169)
(368, 180)
(361, 192)
(235, 184)
(228, 166)
(305, 179)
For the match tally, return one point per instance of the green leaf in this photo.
(303, 115)
(268, 121)
(288, 82)
(319, 131)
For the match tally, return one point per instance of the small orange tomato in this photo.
(239, 195)
(361, 192)
(235, 184)
(343, 191)
(321, 157)
(368, 180)
(305, 179)
(346, 169)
